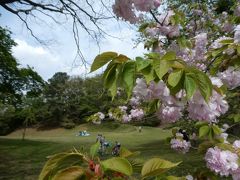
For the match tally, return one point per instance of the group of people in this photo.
(104, 145)
(83, 133)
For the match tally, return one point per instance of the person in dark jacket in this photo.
(185, 135)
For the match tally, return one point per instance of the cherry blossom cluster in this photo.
(97, 118)
(179, 144)
(230, 77)
(164, 29)
(202, 37)
(121, 114)
(199, 109)
(172, 106)
(127, 9)
(224, 162)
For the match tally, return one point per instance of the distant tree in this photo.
(7, 114)
(55, 99)
(69, 100)
(15, 81)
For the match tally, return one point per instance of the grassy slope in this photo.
(24, 159)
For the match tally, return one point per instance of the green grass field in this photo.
(24, 159)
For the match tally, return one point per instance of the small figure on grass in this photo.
(116, 149)
(99, 136)
(140, 129)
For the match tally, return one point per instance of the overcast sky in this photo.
(60, 53)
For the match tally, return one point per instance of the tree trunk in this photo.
(24, 132)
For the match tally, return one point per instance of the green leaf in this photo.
(174, 78)
(161, 67)
(182, 42)
(118, 164)
(121, 59)
(190, 86)
(210, 134)
(153, 106)
(125, 153)
(238, 49)
(128, 75)
(174, 131)
(236, 118)
(94, 149)
(216, 130)
(156, 166)
(148, 74)
(143, 26)
(203, 147)
(141, 63)
(204, 84)
(200, 123)
(102, 59)
(178, 64)
(227, 41)
(219, 51)
(71, 173)
(113, 88)
(59, 161)
(50, 165)
(203, 131)
(178, 87)
(175, 178)
(136, 164)
(169, 56)
(153, 55)
(117, 76)
(109, 75)
(225, 147)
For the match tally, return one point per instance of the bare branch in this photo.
(71, 9)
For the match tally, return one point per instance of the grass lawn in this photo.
(24, 159)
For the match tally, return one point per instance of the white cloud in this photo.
(43, 61)
(47, 62)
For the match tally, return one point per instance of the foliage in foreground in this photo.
(89, 166)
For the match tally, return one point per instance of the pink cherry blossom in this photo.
(221, 162)
(158, 90)
(164, 18)
(135, 101)
(141, 89)
(237, 34)
(152, 32)
(200, 46)
(126, 118)
(199, 109)
(236, 144)
(231, 77)
(169, 114)
(123, 108)
(125, 10)
(236, 174)
(180, 145)
(237, 11)
(217, 43)
(137, 113)
(146, 5)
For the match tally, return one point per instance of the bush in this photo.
(67, 124)
(7, 113)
